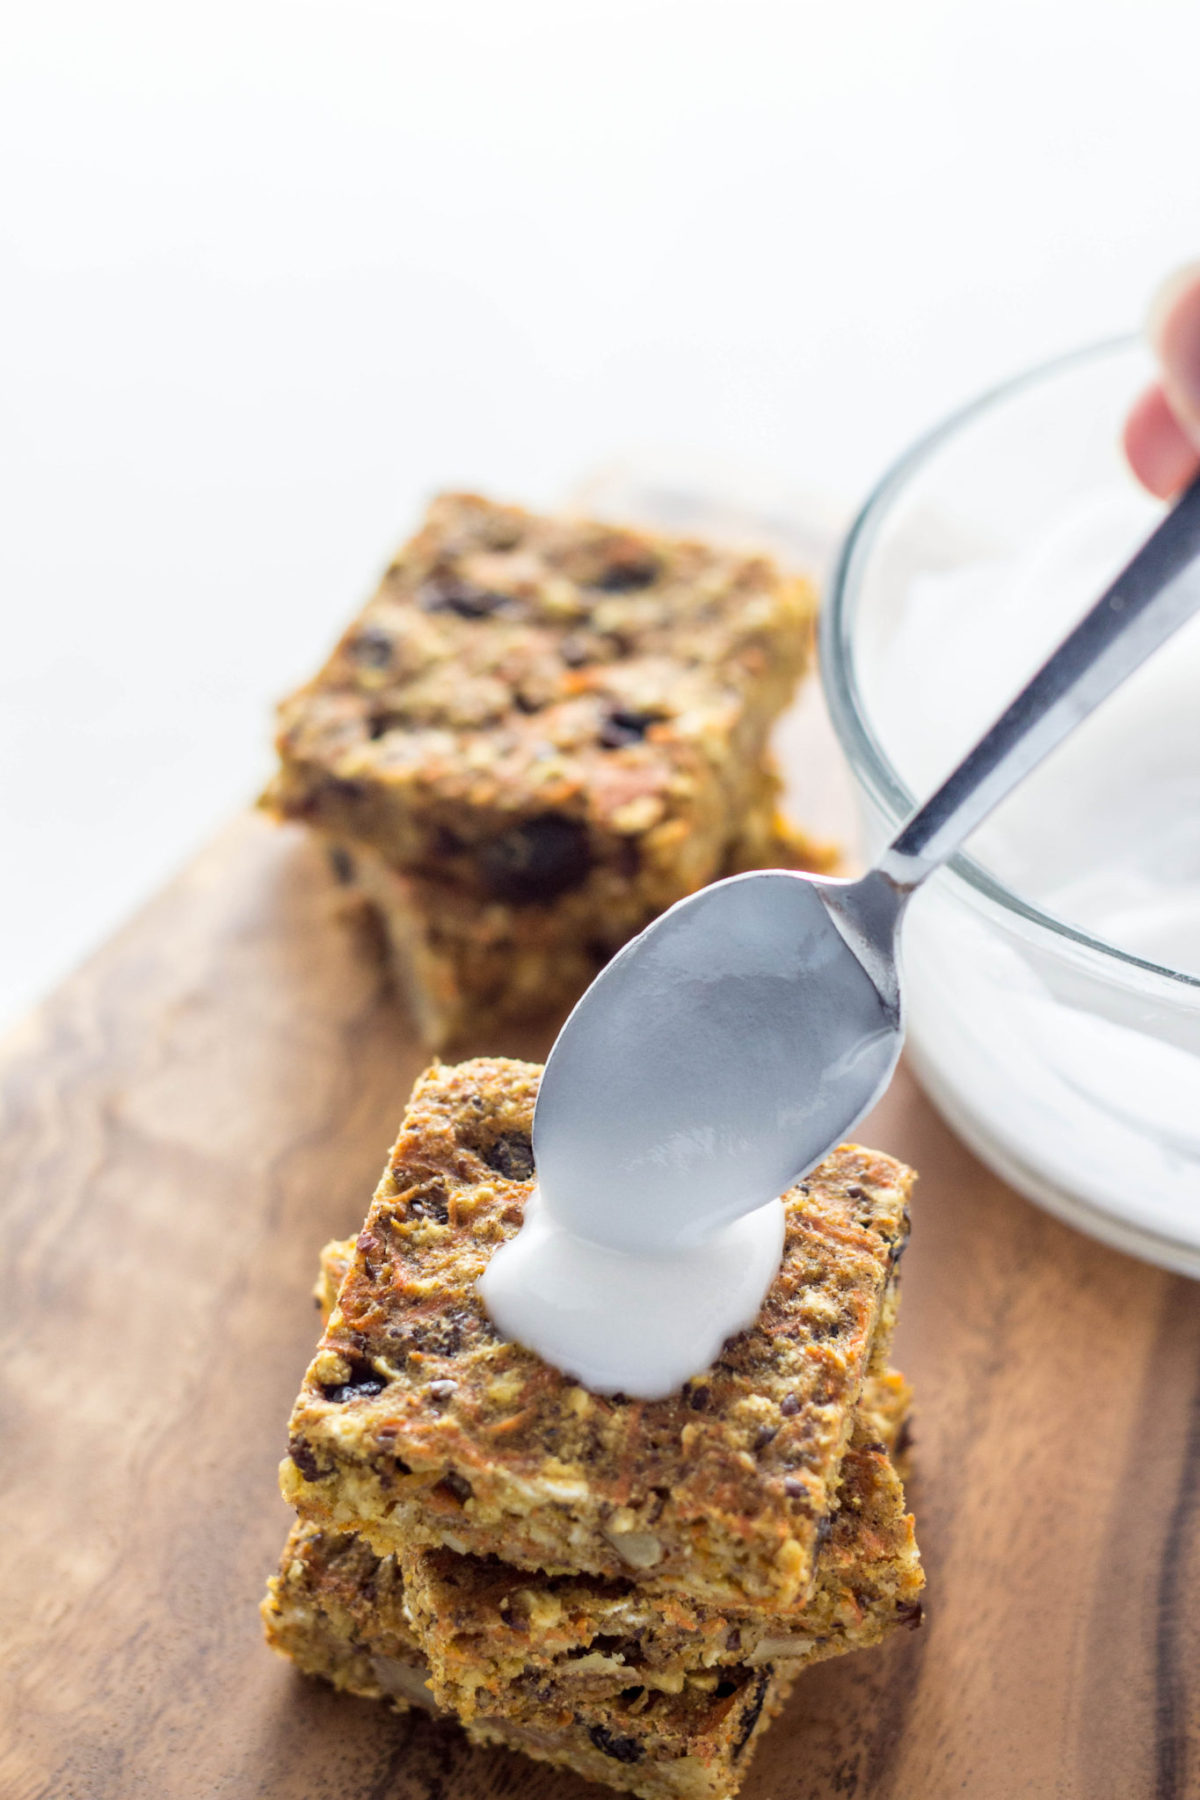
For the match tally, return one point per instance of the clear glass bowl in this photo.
(1053, 976)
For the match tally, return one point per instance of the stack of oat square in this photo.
(625, 1588)
(538, 734)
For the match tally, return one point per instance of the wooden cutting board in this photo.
(205, 1103)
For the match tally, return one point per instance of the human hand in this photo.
(1162, 432)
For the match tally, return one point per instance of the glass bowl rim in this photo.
(839, 678)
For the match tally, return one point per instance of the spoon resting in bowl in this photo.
(731, 1046)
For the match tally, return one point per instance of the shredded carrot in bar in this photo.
(512, 1424)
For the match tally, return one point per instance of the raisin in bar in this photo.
(335, 1610)
(548, 716)
(418, 1425)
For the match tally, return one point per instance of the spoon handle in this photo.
(1144, 605)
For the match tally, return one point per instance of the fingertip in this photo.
(1179, 283)
(1174, 329)
(1178, 290)
(1160, 453)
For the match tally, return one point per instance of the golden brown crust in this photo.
(418, 1425)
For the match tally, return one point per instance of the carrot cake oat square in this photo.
(541, 728)
(418, 1425)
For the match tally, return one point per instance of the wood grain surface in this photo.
(205, 1103)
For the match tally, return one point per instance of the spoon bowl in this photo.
(720, 1053)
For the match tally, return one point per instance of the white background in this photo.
(271, 271)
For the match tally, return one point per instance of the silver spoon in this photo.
(733, 1044)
